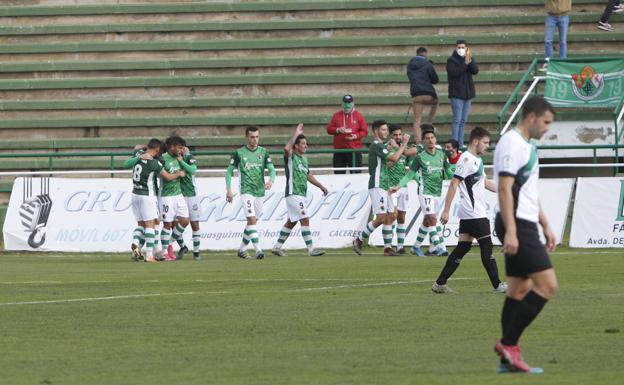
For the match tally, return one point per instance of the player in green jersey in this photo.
(400, 198)
(145, 170)
(251, 161)
(173, 209)
(379, 159)
(193, 201)
(432, 165)
(297, 178)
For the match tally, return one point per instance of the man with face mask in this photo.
(348, 127)
(461, 90)
(530, 275)
(451, 149)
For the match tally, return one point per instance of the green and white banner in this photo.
(590, 84)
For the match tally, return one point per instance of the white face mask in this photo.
(461, 52)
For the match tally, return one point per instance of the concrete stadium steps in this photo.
(209, 68)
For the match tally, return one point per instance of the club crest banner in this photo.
(590, 84)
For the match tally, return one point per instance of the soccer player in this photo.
(251, 160)
(189, 191)
(432, 165)
(145, 171)
(530, 275)
(400, 198)
(297, 178)
(472, 181)
(173, 209)
(379, 159)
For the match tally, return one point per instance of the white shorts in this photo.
(194, 207)
(172, 207)
(402, 199)
(144, 208)
(429, 204)
(379, 200)
(296, 205)
(252, 205)
(392, 203)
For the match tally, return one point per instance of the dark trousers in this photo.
(345, 159)
(609, 10)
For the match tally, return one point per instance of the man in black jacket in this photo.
(460, 67)
(422, 76)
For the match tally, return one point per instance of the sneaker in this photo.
(196, 256)
(441, 289)
(389, 252)
(136, 253)
(618, 8)
(243, 254)
(506, 368)
(513, 355)
(151, 260)
(278, 252)
(441, 252)
(357, 246)
(417, 251)
(605, 26)
(431, 251)
(501, 288)
(401, 251)
(182, 252)
(316, 253)
(259, 254)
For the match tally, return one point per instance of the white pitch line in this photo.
(192, 280)
(390, 283)
(110, 298)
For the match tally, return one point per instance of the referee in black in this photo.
(531, 278)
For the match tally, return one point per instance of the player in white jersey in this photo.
(472, 181)
(530, 275)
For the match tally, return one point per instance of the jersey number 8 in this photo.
(136, 175)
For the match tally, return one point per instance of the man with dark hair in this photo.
(530, 276)
(348, 127)
(297, 178)
(398, 201)
(173, 209)
(472, 182)
(422, 76)
(460, 67)
(431, 167)
(379, 160)
(251, 161)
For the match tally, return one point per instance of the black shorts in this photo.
(531, 257)
(476, 228)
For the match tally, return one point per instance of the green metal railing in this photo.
(513, 98)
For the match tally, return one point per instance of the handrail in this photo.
(617, 119)
(516, 92)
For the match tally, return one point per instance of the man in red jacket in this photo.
(348, 127)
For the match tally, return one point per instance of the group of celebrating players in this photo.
(165, 190)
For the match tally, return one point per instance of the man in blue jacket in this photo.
(460, 67)
(422, 76)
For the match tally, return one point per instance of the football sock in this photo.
(245, 240)
(283, 236)
(165, 235)
(400, 230)
(149, 242)
(196, 241)
(307, 237)
(370, 227)
(177, 235)
(453, 261)
(138, 235)
(156, 237)
(386, 231)
(440, 235)
(488, 260)
(420, 238)
(433, 237)
(525, 313)
(253, 235)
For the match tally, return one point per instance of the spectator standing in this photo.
(558, 18)
(422, 76)
(348, 127)
(460, 67)
(612, 6)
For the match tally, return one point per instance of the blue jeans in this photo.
(561, 23)
(460, 108)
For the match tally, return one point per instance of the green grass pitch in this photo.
(337, 319)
